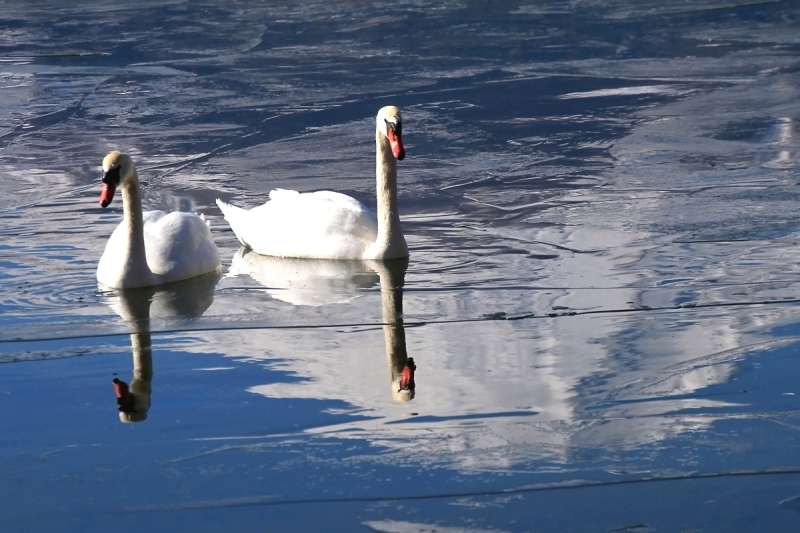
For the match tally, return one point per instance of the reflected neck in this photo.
(392, 276)
(141, 346)
(394, 331)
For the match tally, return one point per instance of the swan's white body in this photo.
(330, 225)
(177, 246)
(151, 248)
(320, 225)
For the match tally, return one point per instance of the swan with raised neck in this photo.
(331, 225)
(150, 248)
(390, 243)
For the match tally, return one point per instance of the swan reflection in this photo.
(311, 282)
(183, 299)
(401, 366)
(317, 282)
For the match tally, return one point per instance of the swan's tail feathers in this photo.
(236, 217)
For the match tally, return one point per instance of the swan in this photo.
(326, 224)
(150, 248)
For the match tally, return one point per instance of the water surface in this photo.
(600, 202)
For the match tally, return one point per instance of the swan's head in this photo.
(117, 168)
(390, 124)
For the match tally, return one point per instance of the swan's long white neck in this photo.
(390, 243)
(135, 265)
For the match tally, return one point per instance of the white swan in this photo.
(331, 225)
(150, 248)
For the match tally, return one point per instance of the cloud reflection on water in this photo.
(535, 389)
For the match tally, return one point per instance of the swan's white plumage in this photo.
(177, 245)
(326, 224)
(321, 225)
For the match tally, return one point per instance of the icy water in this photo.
(600, 199)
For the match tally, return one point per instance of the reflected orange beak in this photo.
(120, 388)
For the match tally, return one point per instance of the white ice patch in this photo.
(670, 90)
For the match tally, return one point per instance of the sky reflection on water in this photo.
(599, 199)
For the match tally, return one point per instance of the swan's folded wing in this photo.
(180, 246)
(149, 217)
(276, 195)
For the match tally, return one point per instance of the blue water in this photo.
(602, 297)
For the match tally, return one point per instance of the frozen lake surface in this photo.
(600, 200)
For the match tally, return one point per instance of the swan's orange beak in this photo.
(397, 145)
(107, 194)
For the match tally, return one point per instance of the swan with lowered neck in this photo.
(150, 248)
(331, 225)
